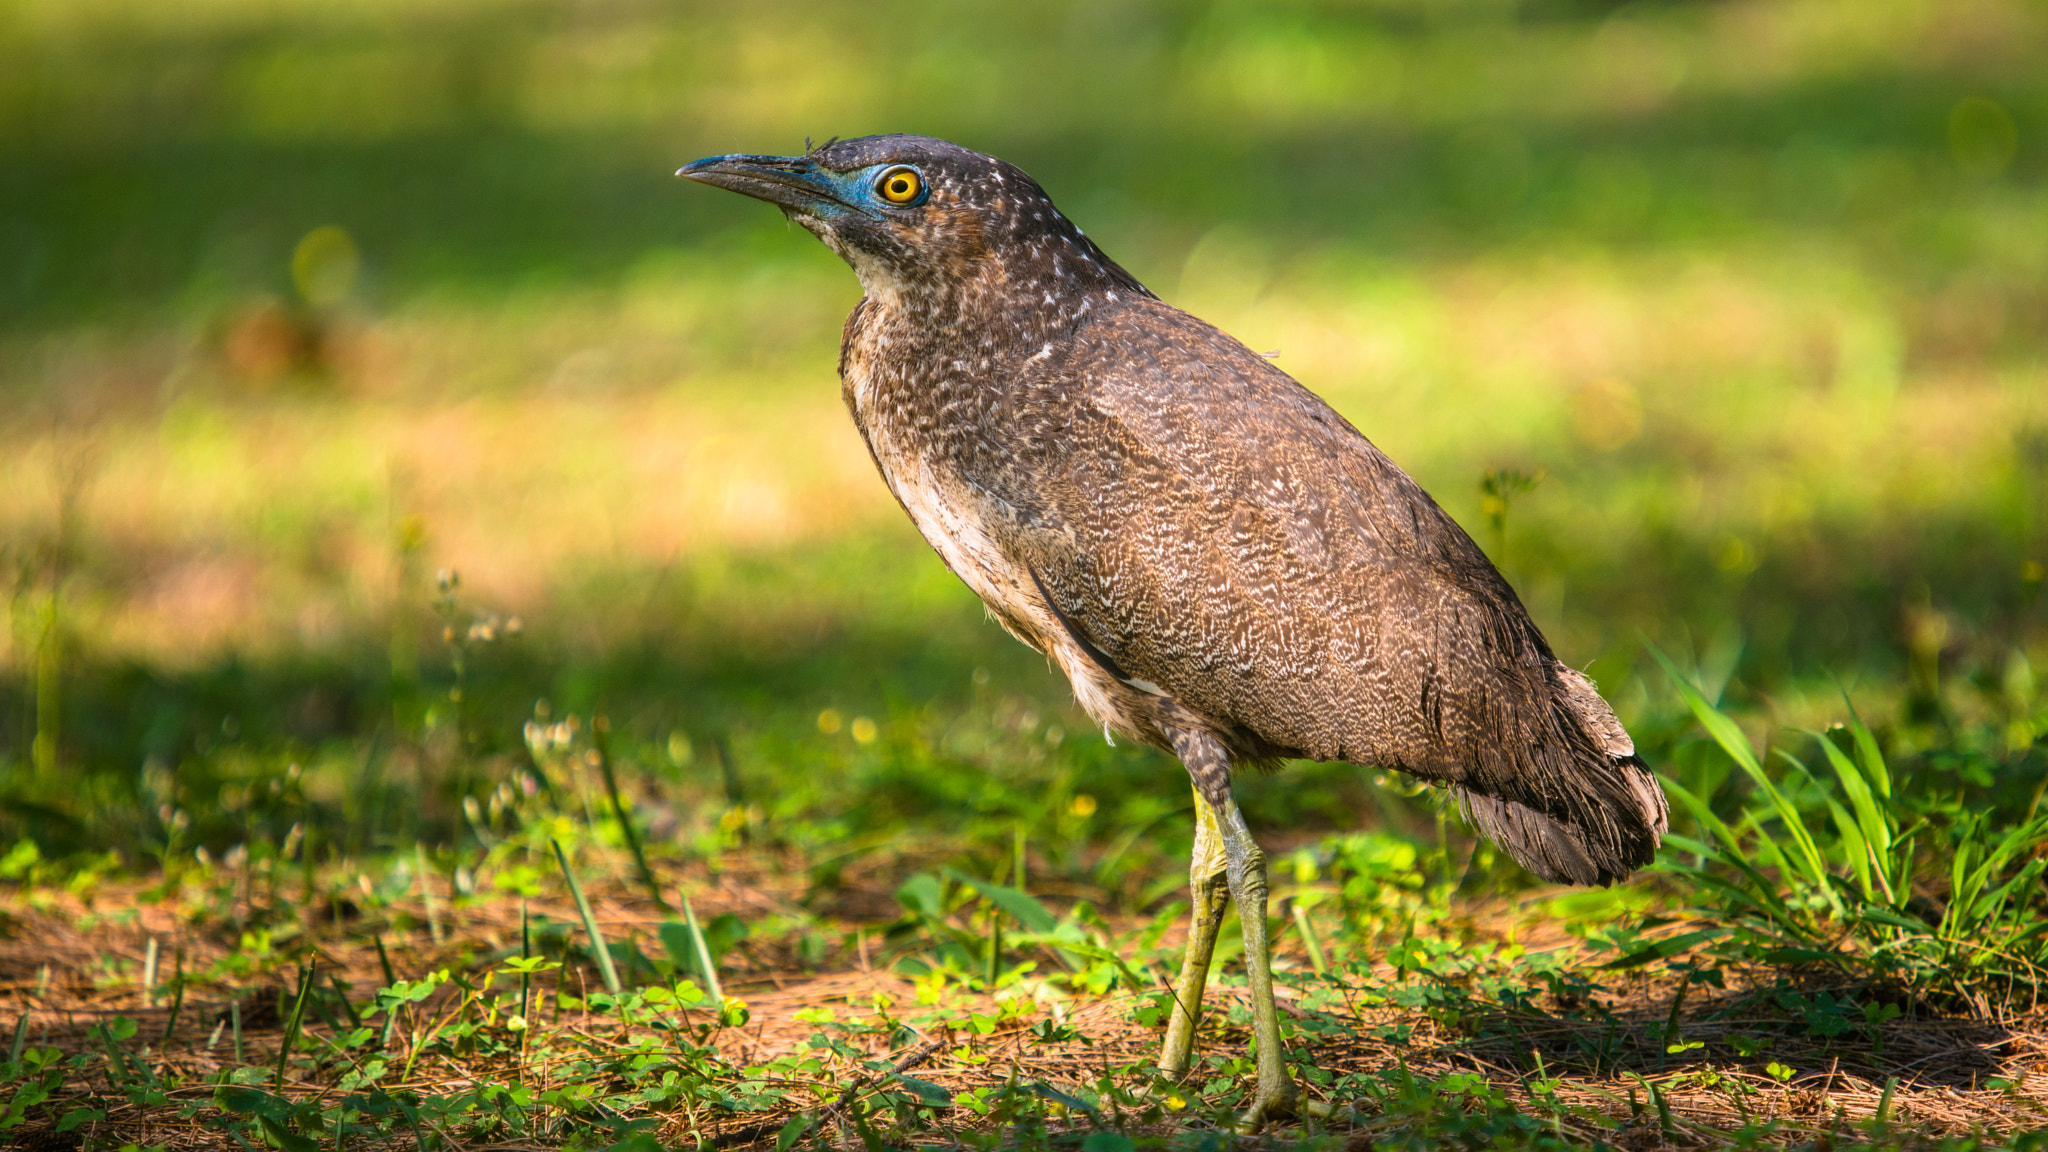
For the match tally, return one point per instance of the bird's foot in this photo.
(1281, 1103)
(1266, 1108)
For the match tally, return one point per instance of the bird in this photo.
(1223, 566)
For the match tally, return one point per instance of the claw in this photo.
(1282, 1105)
(1289, 1108)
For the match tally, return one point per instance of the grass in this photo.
(980, 1012)
(1860, 898)
(405, 476)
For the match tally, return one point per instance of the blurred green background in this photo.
(302, 303)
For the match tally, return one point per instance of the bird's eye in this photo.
(900, 185)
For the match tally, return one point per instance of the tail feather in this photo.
(1619, 817)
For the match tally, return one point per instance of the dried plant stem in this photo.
(149, 973)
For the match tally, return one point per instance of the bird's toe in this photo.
(1274, 1104)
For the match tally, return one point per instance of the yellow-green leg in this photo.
(1209, 887)
(1244, 870)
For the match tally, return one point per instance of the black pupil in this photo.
(899, 186)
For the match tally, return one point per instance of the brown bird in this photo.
(1222, 565)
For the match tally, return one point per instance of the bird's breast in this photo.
(909, 404)
(927, 424)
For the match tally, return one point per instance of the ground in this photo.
(1514, 1033)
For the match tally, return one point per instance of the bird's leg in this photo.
(1209, 888)
(1245, 870)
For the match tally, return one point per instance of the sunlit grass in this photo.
(1720, 426)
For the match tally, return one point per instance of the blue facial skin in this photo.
(799, 184)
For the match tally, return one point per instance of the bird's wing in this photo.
(1229, 540)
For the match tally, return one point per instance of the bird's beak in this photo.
(794, 183)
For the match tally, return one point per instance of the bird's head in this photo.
(916, 216)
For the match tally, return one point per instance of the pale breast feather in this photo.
(955, 519)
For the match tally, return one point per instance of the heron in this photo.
(1223, 566)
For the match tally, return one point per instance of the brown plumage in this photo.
(1223, 565)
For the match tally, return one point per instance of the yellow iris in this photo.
(900, 185)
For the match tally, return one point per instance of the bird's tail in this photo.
(1617, 816)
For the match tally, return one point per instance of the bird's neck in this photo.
(993, 288)
(949, 327)
(987, 320)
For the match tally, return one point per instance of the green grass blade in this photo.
(525, 977)
(1761, 893)
(1812, 864)
(1765, 847)
(1874, 823)
(1990, 906)
(1726, 734)
(1731, 846)
(177, 998)
(118, 1071)
(2021, 841)
(1866, 748)
(1964, 879)
(708, 965)
(1974, 905)
(1684, 843)
(600, 729)
(1855, 849)
(597, 945)
(1665, 949)
(1717, 724)
(1309, 939)
(384, 961)
(995, 950)
(1901, 864)
(291, 1028)
(1891, 919)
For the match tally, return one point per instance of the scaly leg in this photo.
(1208, 885)
(1245, 869)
